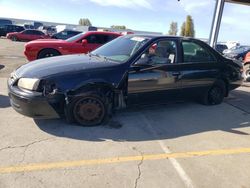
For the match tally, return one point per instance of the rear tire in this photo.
(215, 94)
(89, 109)
(48, 53)
(247, 72)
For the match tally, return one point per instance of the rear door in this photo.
(199, 67)
(32, 35)
(24, 35)
(37, 35)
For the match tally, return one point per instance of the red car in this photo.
(27, 35)
(81, 43)
(247, 67)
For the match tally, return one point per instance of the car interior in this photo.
(162, 52)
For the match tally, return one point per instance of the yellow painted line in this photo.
(71, 164)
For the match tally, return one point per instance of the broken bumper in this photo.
(32, 104)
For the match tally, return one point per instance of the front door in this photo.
(23, 35)
(156, 71)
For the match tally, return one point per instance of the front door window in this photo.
(161, 52)
(153, 71)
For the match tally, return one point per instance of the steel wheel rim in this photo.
(247, 73)
(89, 111)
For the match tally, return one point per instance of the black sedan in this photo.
(65, 34)
(5, 29)
(88, 88)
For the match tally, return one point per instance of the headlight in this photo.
(28, 83)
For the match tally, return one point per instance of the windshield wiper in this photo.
(99, 56)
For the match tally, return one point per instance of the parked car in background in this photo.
(48, 30)
(37, 25)
(220, 47)
(65, 34)
(231, 50)
(29, 26)
(86, 88)
(81, 43)
(5, 29)
(238, 53)
(247, 67)
(27, 35)
(241, 56)
(5, 22)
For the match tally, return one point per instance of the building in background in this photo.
(33, 24)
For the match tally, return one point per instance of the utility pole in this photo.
(214, 32)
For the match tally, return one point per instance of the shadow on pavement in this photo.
(1, 67)
(168, 121)
(4, 101)
(239, 99)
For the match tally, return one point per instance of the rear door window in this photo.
(27, 32)
(193, 52)
(37, 32)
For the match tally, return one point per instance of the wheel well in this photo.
(44, 49)
(102, 88)
(247, 63)
(105, 91)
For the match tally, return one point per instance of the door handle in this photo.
(176, 73)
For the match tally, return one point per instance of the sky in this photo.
(145, 15)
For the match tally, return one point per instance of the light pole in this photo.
(214, 32)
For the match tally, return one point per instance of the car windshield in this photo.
(76, 37)
(122, 48)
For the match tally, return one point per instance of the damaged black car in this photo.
(87, 88)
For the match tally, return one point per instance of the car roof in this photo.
(71, 30)
(13, 25)
(32, 30)
(103, 32)
(153, 36)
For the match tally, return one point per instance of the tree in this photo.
(118, 26)
(173, 28)
(85, 22)
(183, 26)
(189, 27)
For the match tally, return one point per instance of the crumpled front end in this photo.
(33, 103)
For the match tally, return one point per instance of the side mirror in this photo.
(84, 42)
